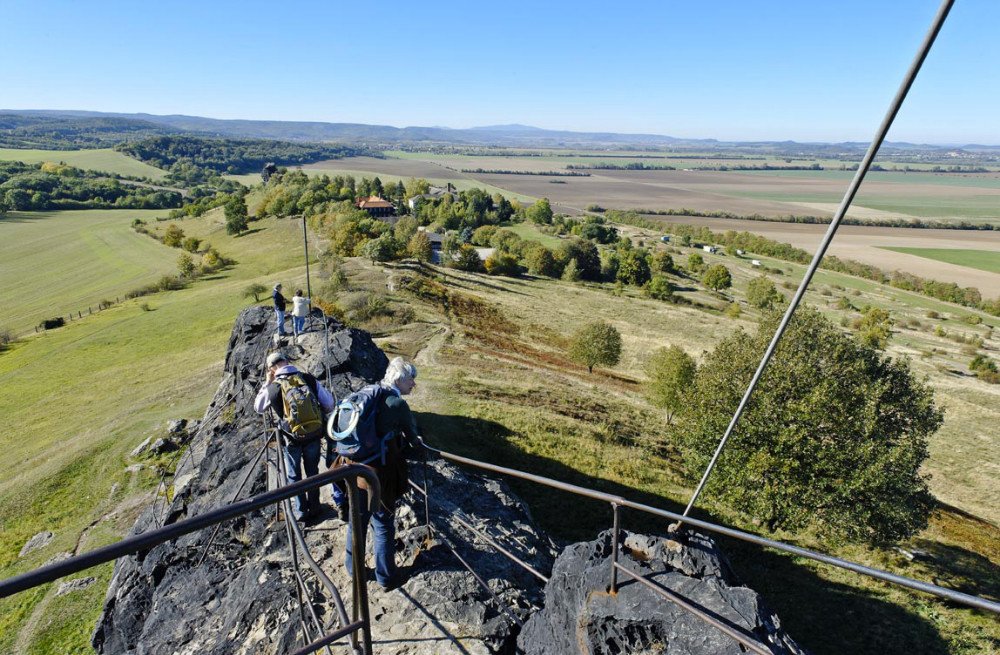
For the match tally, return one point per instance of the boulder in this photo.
(40, 540)
(162, 445)
(176, 426)
(141, 448)
(581, 616)
(74, 585)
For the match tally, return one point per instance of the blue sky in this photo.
(753, 69)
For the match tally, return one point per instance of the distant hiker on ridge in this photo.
(372, 426)
(300, 309)
(279, 308)
(300, 403)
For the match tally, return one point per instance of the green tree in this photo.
(173, 236)
(191, 244)
(540, 212)
(501, 263)
(717, 278)
(419, 247)
(381, 249)
(660, 288)
(254, 291)
(236, 215)
(662, 262)
(875, 326)
(185, 265)
(762, 294)
(467, 259)
(571, 272)
(540, 261)
(834, 435)
(588, 260)
(633, 268)
(671, 372)
(404, 229)
(695, 262)
(596, 343)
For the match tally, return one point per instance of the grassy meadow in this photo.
(88, 393)
(60, 262)
(984, 260)
(102, 159)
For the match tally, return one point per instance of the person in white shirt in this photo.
(300, 309)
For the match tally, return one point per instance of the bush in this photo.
(145, 307)
(191, 244)
(174, 236)
(501, 263)
(467, 259)
(541, 261)
(762, 294)
(52, 323)
(733, 310)
(660, 288)
(6, 337)
(695, 262)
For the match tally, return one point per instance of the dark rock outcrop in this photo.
(242, 597)
(581, 616)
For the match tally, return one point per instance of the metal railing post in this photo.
(427, 501)
(614, 550)
(359, 611)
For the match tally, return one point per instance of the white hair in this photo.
(398, 370)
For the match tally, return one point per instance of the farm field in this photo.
(103, 159)
(984, 260)
(59, 262)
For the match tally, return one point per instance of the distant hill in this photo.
(76, 129)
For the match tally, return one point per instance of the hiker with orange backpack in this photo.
(300, 404)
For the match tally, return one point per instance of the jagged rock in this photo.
(242, 598)
(40, 540)
(161, 446)
(74, 585)
(58, 557)
(141, 448)
(580, 616)
(176, 426)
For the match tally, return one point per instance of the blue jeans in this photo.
(384, 528)
(280, 317)
(298, 324)
(308, 455)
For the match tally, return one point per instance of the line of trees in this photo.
(49, 186)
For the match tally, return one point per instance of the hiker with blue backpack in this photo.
(300, 404)
(373, 426)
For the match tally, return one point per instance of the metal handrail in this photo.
(147, 540)
(619, 501)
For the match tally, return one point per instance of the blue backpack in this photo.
(352, 426)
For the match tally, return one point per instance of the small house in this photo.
(377, 207)
(709, 249)
(755, 263)
(740, 253)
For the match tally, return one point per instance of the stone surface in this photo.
(161, 446)
(141, 448)
(40, 540)
(580, 616)
(74, 585)
(176, 426)
(242, 598)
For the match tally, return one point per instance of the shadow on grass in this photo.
(248, 232)
(824, 616)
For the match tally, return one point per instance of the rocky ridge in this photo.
(241, 599)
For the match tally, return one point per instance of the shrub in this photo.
(660, 288)
(191, 244)
(501, 263)
(173, 236)
(541, 261)
(145, 307)
(6, 337)
(467, 259)
(695, 262)
(185, 265)
(762, 294)
(733, 310)
(52, 323)
(933, 314)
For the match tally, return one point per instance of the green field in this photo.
(59, 262)
(104, 159)
(977, 180)
(90, 392)
(984, 260)
(529, 232)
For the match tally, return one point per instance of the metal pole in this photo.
(852, 190)
(427, 502)
(305, 247)
(614, 550)
(358, 564)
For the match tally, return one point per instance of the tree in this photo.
(596, 343)
(381, 249)
(695, 262)
(662, 262)
(660, 288)
(501, 263)
(185, 265)
(762, 294)
(588, 260)
(467, 259)
(419, 247)
(571, 272)
(670, 371)
(717, 278)
(254, 290)
(633, 268)
(191, 244)
(874, 327)
(541, 261)
(236, 215)
(834, 435)
(173, 236)
(540, 212)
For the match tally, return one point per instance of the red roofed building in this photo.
(377, 207)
